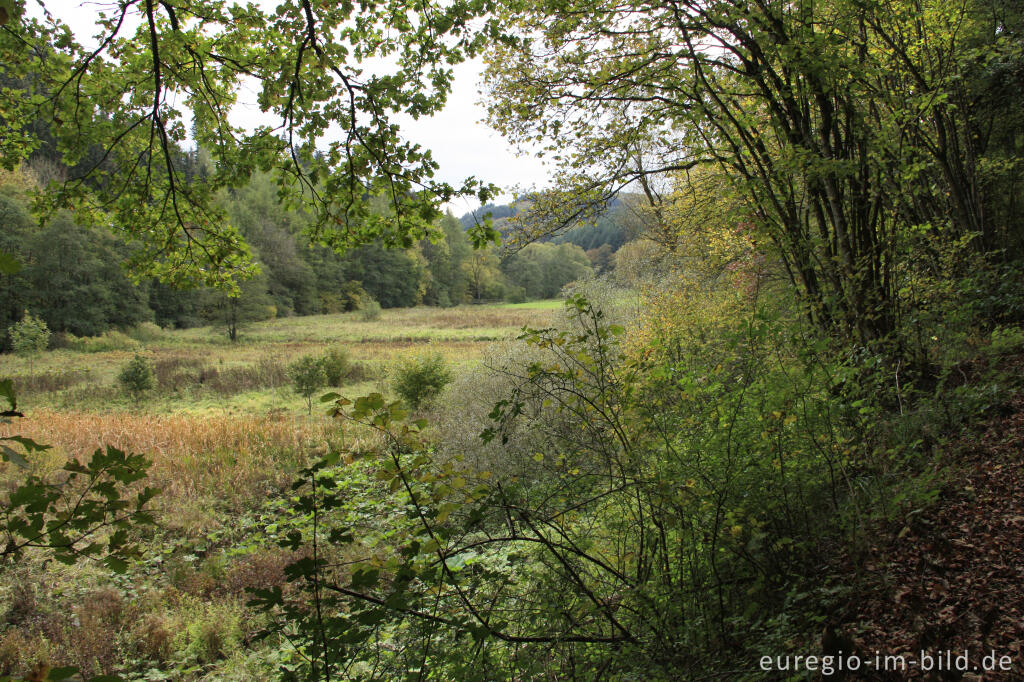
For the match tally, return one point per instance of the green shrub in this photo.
(30, 336)
(137, 376)
(108, 341)
(146, 332)
(213, 633)
(369, 310)
(417, 380)
(308, 377)
(515, 294)
(337, 366)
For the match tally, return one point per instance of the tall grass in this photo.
(50, 381)
(230, 456)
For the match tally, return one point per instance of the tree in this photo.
(273, 232)
(543, 269)
(308, 377)
(444, 257)
(249, 303)
(483, 272)
(136, 377)
(393, 277)
(848, 129)
(190, 58)
(29, 337)
(15, 290)
(77, 283)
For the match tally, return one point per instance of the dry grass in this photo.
(229, 456)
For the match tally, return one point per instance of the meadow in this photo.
(200, 371)
(226, 433)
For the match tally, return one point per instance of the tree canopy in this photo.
(852, 131)
(330, 78)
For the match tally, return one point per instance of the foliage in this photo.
(369, 310)
(842, 132)
(418, 380)
(111, 340)
(308, 377)
(146, 332)
(87, 514)
(669, 501)
(163, 198)
(137, 377)
(541, 270)
(97, 298)
(30, 336)
(337, 366)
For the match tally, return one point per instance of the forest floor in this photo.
(943, 588)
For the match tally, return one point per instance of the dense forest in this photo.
(73, 280)
(773, 430)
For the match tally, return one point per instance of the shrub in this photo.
(108, 341)
(308, 377)
(146, 332)
(30, 336)
(176, 372)
(337, 366)
(137, 376)
(515, 294)
(417, 380)
(369, 310)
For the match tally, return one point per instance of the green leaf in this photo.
(364, 577)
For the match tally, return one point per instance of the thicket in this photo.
(837, 240)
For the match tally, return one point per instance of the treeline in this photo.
(609, 231)
(71, 275)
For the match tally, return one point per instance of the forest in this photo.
(734, 394)
(71, 278)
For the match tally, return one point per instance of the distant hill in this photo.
(611, 227)
(497, 211)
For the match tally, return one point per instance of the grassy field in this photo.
(226, 434)
(199, 371)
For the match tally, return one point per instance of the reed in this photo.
(231, 457)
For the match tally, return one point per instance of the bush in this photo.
(137, 376)
(146, 332)
(369, 310)
(108, 341)
(30, 336)
(337, 366)
(515, 294)
(417, 380)
(308, 377)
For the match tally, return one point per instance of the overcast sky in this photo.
(461, 143)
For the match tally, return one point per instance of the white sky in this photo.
(461, 143)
